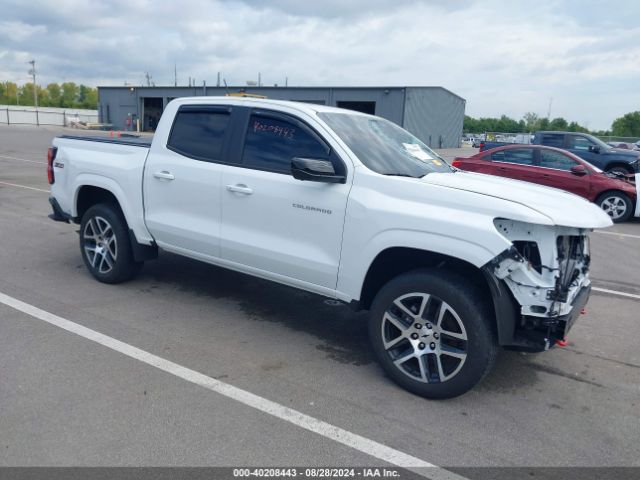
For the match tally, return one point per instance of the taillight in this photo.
(481, 146)
(457, 163)
(51, 156)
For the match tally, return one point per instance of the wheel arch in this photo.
(92, 189)
(395, 261)
(90, 195)
(618, 163)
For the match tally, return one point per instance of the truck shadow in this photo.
(342, 332)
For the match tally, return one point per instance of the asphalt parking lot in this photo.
(66, 400)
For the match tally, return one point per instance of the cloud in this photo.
(503, 58)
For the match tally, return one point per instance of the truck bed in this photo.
(133, 140)
(115, 165)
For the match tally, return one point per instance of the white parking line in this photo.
(618, 234)
(22, 159)
(616, 292)
(327, 430)
(24, 186)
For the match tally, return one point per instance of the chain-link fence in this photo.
(64, 117)
(619, 139)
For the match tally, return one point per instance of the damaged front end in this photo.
(546, 271)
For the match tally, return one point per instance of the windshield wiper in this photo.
(399, 175)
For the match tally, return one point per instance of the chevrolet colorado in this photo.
(452, 265)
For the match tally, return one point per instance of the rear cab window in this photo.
(199, 132)
(552, 140)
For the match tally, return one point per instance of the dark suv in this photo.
(593, 150)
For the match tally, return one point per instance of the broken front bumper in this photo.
(542, 283)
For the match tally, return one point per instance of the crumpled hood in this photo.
(563, 208)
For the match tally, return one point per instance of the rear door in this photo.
(271, 221)
(555, 171)
(516, 163)
(182, 181)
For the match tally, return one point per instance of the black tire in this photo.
(619, 169)
(616, 204)
(104, 229)
(444, 288)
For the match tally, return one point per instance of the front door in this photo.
(271, 221)
(555, 171)
(583, 148)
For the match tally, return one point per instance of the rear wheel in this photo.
(105, 245)
(617, 205)
(432, 334)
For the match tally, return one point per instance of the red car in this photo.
(616, 195)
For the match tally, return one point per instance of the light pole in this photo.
(32, 72)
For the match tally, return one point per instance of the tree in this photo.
(26, 94)
(54, 94)
(69, 95)
(543, 124)
(87, 97)
(91, 100)
(574, 127)
(11, 93)
(627, 126)
(531, 120)
(470, 125)
(558, 124)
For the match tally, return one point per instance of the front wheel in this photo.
(617, 205)
(619, 170)
(105, 245)
(432, 334)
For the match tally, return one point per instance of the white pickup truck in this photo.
(452, 265)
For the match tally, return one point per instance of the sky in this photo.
(582, 57)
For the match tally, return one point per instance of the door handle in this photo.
(164, 175)
(240, 188)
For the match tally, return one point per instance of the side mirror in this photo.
(579, 170)
(594, 148)
(315, 170)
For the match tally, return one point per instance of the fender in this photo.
(354, 268)
(134, 218)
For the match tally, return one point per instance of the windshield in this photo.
(599, 142)
(384, 147)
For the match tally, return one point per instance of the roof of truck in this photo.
(310, 108)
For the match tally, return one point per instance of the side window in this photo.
(272, 142)
(557, 160)
(520, 156)
(579, 143)
(552, 140)
(199, 133)
(497, 156)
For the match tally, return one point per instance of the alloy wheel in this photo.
(424, 337)
(100, 244)
(614, 206)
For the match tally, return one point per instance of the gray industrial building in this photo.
(433, 114)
